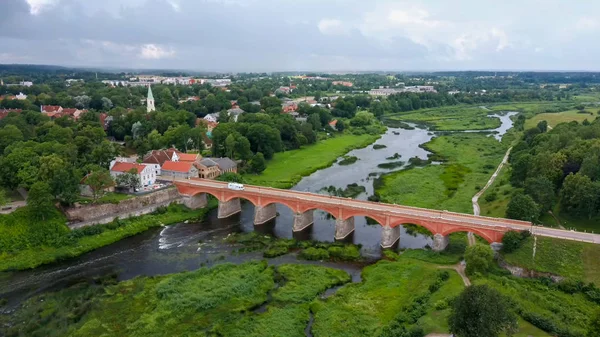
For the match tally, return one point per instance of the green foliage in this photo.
(232, 178)
(482, 311)
(276, 250)
(479, 258)
(314, 254)
(391, 165)
(348, 160)
(129, 180)
(40, 201)
(453, 176)
(257, 164)
(295, 287)
(344, 253)
(513, 240)
(522, 207)
(594, 327)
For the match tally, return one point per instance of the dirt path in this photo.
(460, 269)
(475, 199)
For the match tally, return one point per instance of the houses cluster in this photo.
(173, 164)
(56, 111)
(20, 84)
(385, 91)
(4, 112)
(21, 96)
(146, 80)
(343, 83)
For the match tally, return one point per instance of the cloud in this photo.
(268, 35)
(154, 52)
(331, 27)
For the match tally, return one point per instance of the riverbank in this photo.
(260, 299)
(286, 169)
(86, 239)
(450, 118)
(469, 159)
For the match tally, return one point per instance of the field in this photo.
(529, 109)
(287, 168)
(470, 160)
(255, 299)
(576, 260)
(496, 198)
(453, 118)
(554, 119)
(98, 236)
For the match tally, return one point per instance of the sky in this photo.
(303, 35)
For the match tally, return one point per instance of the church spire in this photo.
(150, 100)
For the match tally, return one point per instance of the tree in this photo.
(511, 241)
(481, 311)
(341, 125)
(130, 179)
(315, 121)
(8, 135)
(542, 191)
(3, 198)
(543, 126)
(257, 164)
(579, 195)
(594, 327)
(522, 207)
(64, 185)
(107, 104)
(40, 201)
(231, 178)
(479, 258)
(362, 118)
(98, 181)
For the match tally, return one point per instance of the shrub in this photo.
(479, 258)
(511, 241)
(275, 251)
(314, 254)
(491, 196)
(345, 253)
(440, 305)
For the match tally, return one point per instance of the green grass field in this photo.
(554, 119)
(108, 198)
(470, 158)
(532, 108)
(35, 256)
(495, 199)
(576, 260)
(451, 118)
(287, 168)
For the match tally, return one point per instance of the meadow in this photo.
(469, 159)
(63, 244)
(450, 118)
(287, 168)
(556, 118)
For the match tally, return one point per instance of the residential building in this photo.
(72, 112)
(289, 106)
(105, 120)
(283, 90)
(209, 125)
(333, 124)
(208, 169)
(343, 83)
(453, 92)
(156, 158)
(4, 112)
(212, 117)
(21, 96)
(145, 173)
(189, 157)
(235, 113)
(26, 83)
(52, 111)
(86, 191)
(225, 164)
(182, 169)
(150, 101)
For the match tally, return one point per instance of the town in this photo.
(245, 168)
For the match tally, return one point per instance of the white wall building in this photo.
(145, 172)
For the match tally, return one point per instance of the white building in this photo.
(26, 83)
(21, 96)
(146, 174)
(211, 118)
(150, 101)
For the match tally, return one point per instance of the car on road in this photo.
(235, 186)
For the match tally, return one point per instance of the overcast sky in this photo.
(303, 35)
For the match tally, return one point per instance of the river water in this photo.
(184, 247)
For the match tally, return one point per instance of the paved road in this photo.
(415, 213)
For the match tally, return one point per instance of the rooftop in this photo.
(177, 166)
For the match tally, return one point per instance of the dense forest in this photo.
(557, 167)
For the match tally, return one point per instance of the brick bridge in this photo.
(390, 217)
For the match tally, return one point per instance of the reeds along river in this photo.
(189, 246)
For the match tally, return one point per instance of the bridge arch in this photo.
(251, 198)
(346, 214)
(400, 221)
(193, 191)
(486, 235)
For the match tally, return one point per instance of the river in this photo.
(185, 247)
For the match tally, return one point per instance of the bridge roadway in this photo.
(380, 212)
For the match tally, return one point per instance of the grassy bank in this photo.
(77, 242)
(469, 161)
(554, 119)
(452, 118)
(576, 260)
(287, 168)
(216, 302)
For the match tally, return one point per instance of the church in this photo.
(150, 101)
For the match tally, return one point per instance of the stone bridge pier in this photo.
(343, 228)
(229, 208)
(440, 242)
(195, 201)
(389, 236)
(264, 214)
(303, 220)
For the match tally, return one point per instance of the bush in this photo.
(345, 253)
(314, 254)
(275, 251)
(479, 258)
(511, 241)
(492, 196)
(440, 305)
